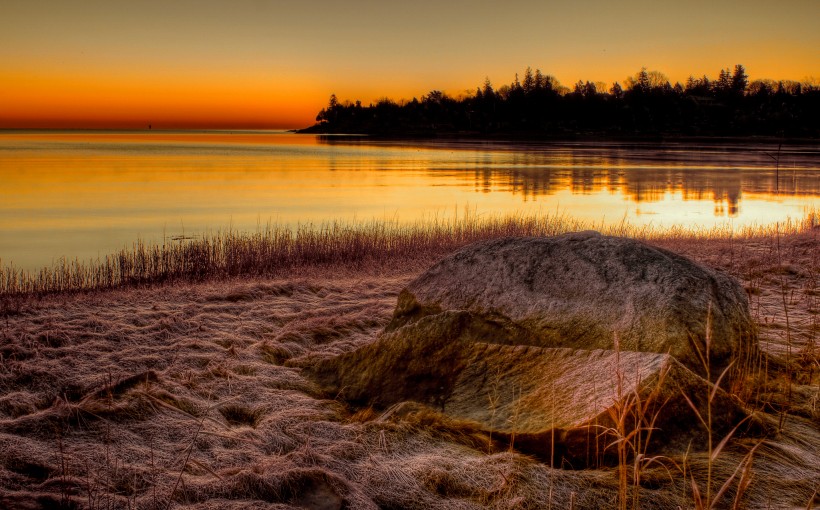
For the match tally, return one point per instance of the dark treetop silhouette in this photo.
(646, 105)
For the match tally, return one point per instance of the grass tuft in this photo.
(276, 250)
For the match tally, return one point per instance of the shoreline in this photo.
(278, 250)
(103, 388)
(559, 137)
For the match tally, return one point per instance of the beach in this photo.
(192, 394)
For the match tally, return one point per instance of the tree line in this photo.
(644, 104)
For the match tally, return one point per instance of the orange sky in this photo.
(273, 64)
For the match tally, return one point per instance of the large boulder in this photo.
(545, 401)
(546, 342)
(582, 291)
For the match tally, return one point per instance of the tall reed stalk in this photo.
(705, 499)
(276, 249)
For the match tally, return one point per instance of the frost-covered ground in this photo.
(191, 396)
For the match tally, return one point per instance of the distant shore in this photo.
(647, 106)
(535, 136)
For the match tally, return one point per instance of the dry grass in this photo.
(187, 395)
(277, 250)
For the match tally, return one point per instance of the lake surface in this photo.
(86, 194)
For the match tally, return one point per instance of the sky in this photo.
(274, 63)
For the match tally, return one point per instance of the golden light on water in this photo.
(88, 194)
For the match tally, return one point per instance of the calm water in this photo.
(81, 194)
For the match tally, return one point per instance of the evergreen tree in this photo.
(539, 80)
(642, 80)
(488, 89)
(724, 82)
(739, 80)
(529, 80)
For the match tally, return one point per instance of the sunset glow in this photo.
(265, 64)
(85, 194)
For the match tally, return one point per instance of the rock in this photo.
(567, 403)
(418, 362)
(581, 290)
(517, 338)
(546, 401)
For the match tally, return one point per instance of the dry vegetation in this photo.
(187, 392)
(278, 250)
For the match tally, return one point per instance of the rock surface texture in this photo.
(517, 338)
(534, 396)
(580, 290)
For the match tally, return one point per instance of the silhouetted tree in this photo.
(539, 80)
(529, 81)
(488, 88)
(578, 88)
(551, 83)
(698, 86)
(723, 84)
(435, 96)
(656, 79)
(739, 80)
(641, 81)
(760, 88)
(727, 106)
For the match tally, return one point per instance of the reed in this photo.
(276, 250)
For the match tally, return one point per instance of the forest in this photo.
(644, 105)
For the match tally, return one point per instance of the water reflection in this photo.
(641, 184)
(87, 194)
(638, 172)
